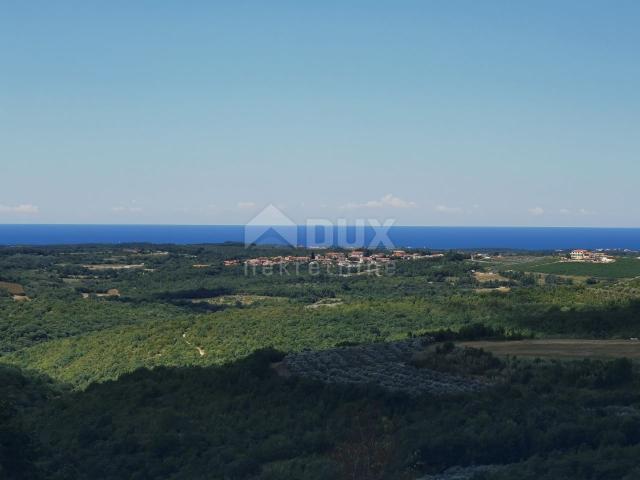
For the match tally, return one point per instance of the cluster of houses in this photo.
(341, 259)
(581, 255)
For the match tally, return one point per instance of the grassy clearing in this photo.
(561, 348)
(485, 277)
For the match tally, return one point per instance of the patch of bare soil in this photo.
(112, 292)
(326, 302)
(484, 277)
(12, 288)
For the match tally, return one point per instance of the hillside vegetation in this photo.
(174, 376)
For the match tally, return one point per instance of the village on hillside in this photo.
(353, 258)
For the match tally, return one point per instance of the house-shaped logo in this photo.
(271, 226)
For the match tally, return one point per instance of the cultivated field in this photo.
(387, 365)
(622, 268)
(561, 348)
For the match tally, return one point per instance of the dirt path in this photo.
(199, 349)
(561, 348)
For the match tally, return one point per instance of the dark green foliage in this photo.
(613, 319)
(244, 422)
(448, 358)
(475, 331)
(18, 394)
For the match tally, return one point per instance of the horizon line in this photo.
(350, 225)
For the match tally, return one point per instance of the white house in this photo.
(580, 254)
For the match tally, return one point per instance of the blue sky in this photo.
(430, 113)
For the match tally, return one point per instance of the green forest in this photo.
(159, 362)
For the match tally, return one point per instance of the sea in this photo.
(516, 238)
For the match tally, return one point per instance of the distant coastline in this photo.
(522, 238)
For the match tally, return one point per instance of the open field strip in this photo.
(561, 348)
